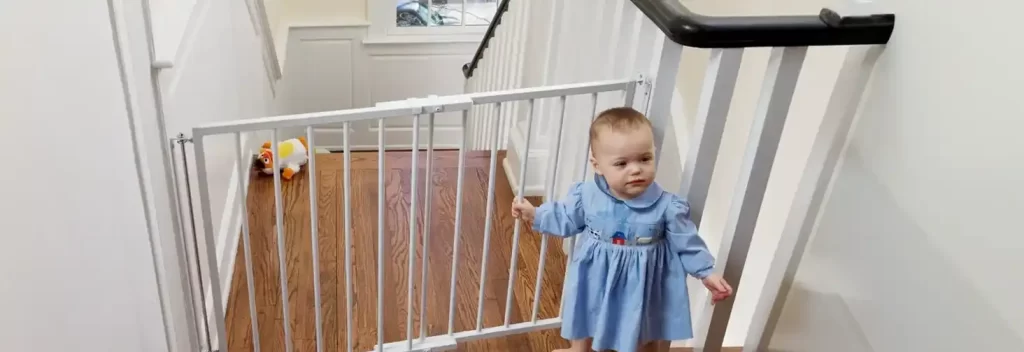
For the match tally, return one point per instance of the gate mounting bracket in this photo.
(181, 139)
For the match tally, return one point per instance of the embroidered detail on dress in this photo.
(619, 238)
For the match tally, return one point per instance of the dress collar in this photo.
(643, 201)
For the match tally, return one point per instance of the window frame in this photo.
(382, 24)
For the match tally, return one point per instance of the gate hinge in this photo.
(642, 95)
(646, 84)
(181, 139)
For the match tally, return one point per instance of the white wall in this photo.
(918, 241)
(218, 75)
(77, 267)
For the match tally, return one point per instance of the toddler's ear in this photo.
(593, 164)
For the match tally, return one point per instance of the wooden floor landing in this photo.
(330, 238)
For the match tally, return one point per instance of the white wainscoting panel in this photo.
(334, 68)
(399, 77)
(321, 74)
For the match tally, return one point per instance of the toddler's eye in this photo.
(619, 164)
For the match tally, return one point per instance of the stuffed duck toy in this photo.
(294, 153)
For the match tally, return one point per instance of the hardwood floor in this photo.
(330, 238)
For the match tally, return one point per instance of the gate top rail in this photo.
(827, 28)
(410, 107)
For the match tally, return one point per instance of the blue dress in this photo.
(626, 283)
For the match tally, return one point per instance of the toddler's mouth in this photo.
(636, 182)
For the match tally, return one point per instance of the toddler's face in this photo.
(626, 160)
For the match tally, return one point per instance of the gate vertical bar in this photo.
(706, 138)
(211, 246)
(518, 222)
(243, 175)
(487, 222)
(348, 235)
(195, 247)
(555, 146)
(583, 177)
(826, 152)
(629, 98)
(428, 181)
(583, 174)
(380, 235)
(281, 248)
(784, 66)
(314, 237)
(412, 228)
(458, 223)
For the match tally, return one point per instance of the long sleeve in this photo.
(682, 236)
(564, 217)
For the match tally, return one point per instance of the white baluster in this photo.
(810, 193)
(712, 110)
(784, 66)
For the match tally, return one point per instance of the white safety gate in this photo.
(419, 109)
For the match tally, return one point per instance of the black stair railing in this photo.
(827, 28)
(694, 30)
(467, 69)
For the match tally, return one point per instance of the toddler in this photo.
(626, 284)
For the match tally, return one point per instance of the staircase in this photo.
(540, 74)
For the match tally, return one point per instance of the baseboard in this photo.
(230, 230)
(536, 161)
(681, 343)
(536, 168)
(687, 345)
(675, 348)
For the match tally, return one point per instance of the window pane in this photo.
(432, 13)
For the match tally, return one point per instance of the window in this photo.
(435, 13)
(431, 17)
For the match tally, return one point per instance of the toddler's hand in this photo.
(522, 209)
(719, 288)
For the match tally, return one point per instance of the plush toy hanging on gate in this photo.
(294, 153)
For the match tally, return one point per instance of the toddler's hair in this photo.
(618, 119)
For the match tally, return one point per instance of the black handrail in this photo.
(694, 30)
(467, 69)
(827, 28)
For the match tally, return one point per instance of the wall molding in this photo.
(230, 230)
(187, 43)
(172, 26)
(139, 124)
